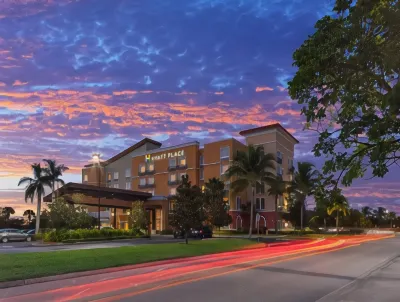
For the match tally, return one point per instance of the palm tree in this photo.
(6, 212)
(305, 179)
(391, 216)
(54, 171)
(29, 214)
(248, 169)
(277, 188)
(35, 187)
(367, 211)
(339, 204)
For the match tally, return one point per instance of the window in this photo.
(172, 162)
(128, 185)
(290, 163)
(238, 202)
(142, 168)
(279, 169)
(260, 188)
(201, 173)
(224, 167)
(172, 191)
(280, 202)
(279, 154)
(171, 205)
(182, 161)
(150, 180)
(109, 176)
(85, 177)
(116, 186)
(128, 172)
(172, 177)
(201, 159)
(224, 152)
(257, 203)
(260, 203)
(116, 175)
(290, 177)
(150, 167)
(142, 181)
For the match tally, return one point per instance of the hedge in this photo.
(92, 234)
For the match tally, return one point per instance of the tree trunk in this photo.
(337, 222)
(276, 214)
(251, 213)
(53, 194)
(186, 237)
(301, 216)
(39, 202)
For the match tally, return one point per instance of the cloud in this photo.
(19, 83)
(264, 88)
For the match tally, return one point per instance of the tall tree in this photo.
(339, 204)
(305, 180)
(380, 214)
(188, 209)
(367, 211)
(138, 217)
(29, 214)
(54, 171)
(6, 212)
(348, 83)
(277, 188)
(35, 187)
(248, 169)
(216, 208)
(391, 216)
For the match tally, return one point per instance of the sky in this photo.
(83, 76)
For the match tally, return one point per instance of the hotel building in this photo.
(149, 167)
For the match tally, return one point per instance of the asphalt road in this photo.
(367, 272)
(30, 247)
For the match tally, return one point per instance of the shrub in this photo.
(167, 232)
(92, 234)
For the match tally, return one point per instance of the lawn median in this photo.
(34, 265)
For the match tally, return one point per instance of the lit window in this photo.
(224, 152)
(116, 175)
(172, 162)
(201, 159)
(142, 181)
(128, 172)
(238, 202)
(128, 185)
(150, 180)
(150, 167)
(171, 205)
(142, 168)
(224, 168)
(116, 186)
(182, 161)
(109, 176)
(172, 191)
(85, 177)
(201, 173)
(172, 177)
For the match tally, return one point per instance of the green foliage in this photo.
(6, 212)
(215, 206)
(138, 219)
(188, 210)
(348, 84)
(81, 234)
(65, 215)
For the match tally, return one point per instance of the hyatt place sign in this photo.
(164, 155)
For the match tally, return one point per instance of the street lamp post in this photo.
(96, 161)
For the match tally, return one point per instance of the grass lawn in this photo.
(33, 265)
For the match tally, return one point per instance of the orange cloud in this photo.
(19, 83)
(264, 88)
(219, 93)
(194, 128)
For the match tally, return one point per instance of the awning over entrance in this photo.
(109, 197)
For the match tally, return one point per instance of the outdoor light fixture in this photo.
(128, 212)
(96, 158)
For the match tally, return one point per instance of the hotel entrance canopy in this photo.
(109, 197)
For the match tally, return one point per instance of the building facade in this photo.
(149, 167)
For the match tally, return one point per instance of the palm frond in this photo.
(25, 180)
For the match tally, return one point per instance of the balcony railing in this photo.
(173, 182)
(147, 185)
(172, 168)
(181, 167)
(147, 172)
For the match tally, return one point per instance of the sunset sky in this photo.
(78, 76)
